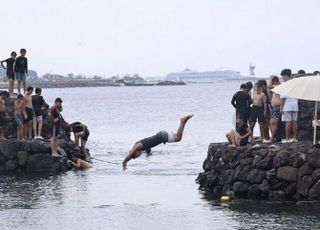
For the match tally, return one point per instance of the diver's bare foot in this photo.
(124, 166)
(186, 118)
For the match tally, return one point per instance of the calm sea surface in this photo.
(158, 192)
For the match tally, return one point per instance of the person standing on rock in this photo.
(56, 118)
(37, 103)
(241, 102)
(150, 142)
(275, 109)
(28, 113)
(21, 70)
(18, 116)
(10, 71)
(259, 108)
(289, 110)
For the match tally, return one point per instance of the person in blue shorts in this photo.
(21, 70)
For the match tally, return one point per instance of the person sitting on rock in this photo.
(150, 142)
(18, 116)
(79, 164)
(240, 136)
(57, 120)
(81, 132)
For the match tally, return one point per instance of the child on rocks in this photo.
(18, 116)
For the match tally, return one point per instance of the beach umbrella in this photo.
(305, 88)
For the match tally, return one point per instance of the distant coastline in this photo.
(72, 81)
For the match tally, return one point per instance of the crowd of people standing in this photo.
(257, 103)
(29, 108)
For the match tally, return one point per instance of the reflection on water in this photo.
(157, 192)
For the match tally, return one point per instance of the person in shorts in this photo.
(264, 86)
(21, 70)
(57, 120)
(18, 116)
(81, 132)
(28, 113)
(241, 101)
(258, 111)
(275, 109)
(37, 103)
(10, 71)
(289, 110)
(161, 137)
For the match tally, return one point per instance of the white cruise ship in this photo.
(190, 76)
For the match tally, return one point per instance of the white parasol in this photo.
(305, 88)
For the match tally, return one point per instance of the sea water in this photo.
(158, 192)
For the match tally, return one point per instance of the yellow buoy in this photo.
(225, 199)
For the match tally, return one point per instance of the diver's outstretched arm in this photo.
(135, 152)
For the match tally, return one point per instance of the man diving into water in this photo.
(150, 142)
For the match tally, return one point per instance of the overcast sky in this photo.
(155, 37)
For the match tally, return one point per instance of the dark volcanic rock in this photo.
(35, 155)
(314, 192)
(46, 163)
(8, 148)
(22, 157)
(240, 187)
(11, 165)
(304, 184)
(288, 171)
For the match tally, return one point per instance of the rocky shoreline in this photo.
(288, 171)
(33, 156)
(277, 171)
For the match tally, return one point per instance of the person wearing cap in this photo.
(56, 118)
(150, 142)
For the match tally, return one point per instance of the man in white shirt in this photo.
(289, 110)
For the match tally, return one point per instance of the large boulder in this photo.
(314, 192)
(45, 163)
(9, 148)
(287, 173)
(22, 157)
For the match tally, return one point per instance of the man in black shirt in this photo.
(10, 72)
(241, 101)
(38, 103)
(21, 70)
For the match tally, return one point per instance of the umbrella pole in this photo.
(315, 126)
